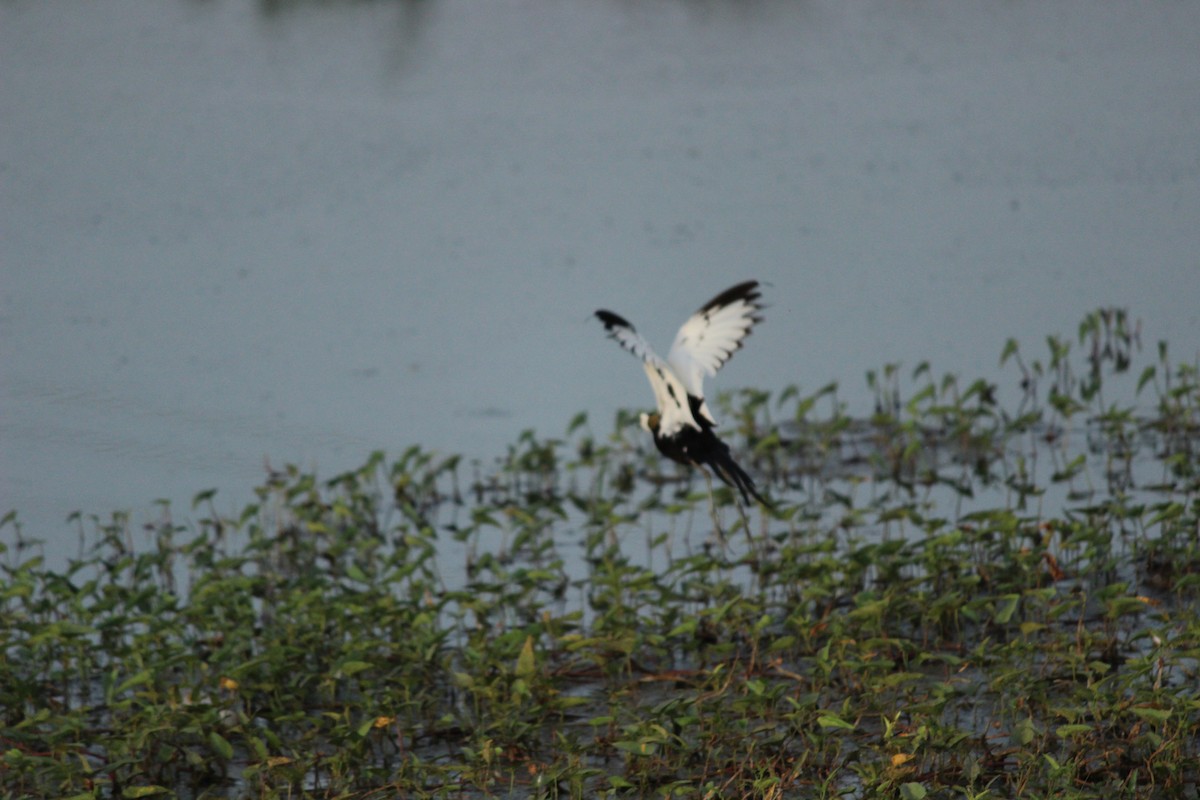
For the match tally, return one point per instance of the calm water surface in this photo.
(237, 232)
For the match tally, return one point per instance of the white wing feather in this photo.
(710, 337)
(671, 398)
(703, 344)
(670, 394)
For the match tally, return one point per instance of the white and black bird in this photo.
(683, 425)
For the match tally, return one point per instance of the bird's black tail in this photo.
(733, 475)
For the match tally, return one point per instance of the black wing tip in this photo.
(746, 290)
(612, 320)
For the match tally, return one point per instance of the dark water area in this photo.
(244, 234)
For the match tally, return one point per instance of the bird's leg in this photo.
(712, 508)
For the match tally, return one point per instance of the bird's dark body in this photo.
(701, 447)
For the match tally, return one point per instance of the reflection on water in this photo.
(403, 22)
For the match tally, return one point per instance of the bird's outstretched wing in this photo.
(710, 337)
(625, 335)
(670, 394)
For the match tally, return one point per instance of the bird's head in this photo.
(650, 422)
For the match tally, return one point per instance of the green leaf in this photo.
(258, 746)
(1147, 376)
(637, 747)
(782, 643)
(912, 791)
(1007, 608)
(1010, 347)
(221, 745)
(1120, 606)
(134, 680)
(1067, 731)
(1152, 714)
(828, 720)
(687, 627)
(349, 668)
(144, 791)
(1024, 732)
(526, 663)
(900, 678)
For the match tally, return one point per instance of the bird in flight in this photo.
(683, 425)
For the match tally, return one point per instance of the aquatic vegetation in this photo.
(956, 596)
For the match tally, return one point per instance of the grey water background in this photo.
(242, 232)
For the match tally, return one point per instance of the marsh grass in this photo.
(948, 600)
